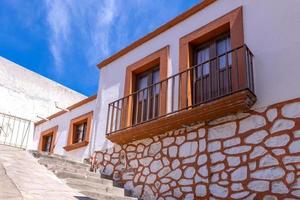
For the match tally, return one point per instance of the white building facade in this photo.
(206, 106)
(62, 123)
(26, 97)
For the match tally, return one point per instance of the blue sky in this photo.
(65, 39)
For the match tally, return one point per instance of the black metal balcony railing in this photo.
(220, 76)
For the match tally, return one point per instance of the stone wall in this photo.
(253, 155)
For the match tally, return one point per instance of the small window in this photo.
(47, 140)
(47, 143)
(79, 132)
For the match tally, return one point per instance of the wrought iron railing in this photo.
(220, 76)
(14, 131)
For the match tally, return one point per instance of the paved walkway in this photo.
(8, 190)
(21, 177)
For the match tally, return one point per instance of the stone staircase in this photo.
(78, 176)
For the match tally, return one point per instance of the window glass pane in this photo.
(80, 131)
(84, 131)
(224, 46)
(48, 141)
(156, 80)
(155, 76)
(202, 58)
(141, 84)
(229, 49)
(221, 46)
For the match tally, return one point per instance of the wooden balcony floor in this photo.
(233, 103)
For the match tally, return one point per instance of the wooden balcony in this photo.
(185, 98)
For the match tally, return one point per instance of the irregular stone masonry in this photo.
(253, 155)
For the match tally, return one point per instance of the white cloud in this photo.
(103, 20)
(99, 27)
(58, 18)
(91, 19)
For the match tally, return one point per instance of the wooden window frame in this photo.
(160, 58)
(52, 131)
(85, 117)
(213, 67)
(231, 22)
(149, 76)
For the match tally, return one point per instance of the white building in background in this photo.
(206, 106)
(60, 128)
(26, 97)
(26, 94)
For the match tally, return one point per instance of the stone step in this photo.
(55, 167)
(78, 176)
(46, 161)
(57, 158)
(91, 178)
(81, 184)
(101, 196)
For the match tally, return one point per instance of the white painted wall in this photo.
(63, 123)
(271, 30)
(26, 94)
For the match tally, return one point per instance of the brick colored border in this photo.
(232, 22)
(51, 131)
(160, 58)
(70, 146)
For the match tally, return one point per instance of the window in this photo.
(47, 143)
(147, 96)
(212, 62)
(139, 75)
(212, 42)
(79, 132)
(47, 140)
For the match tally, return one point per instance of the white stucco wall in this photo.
(271, 31)
(26, 94)
(63, 123)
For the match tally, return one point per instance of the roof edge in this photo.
(72, 107)
(36, 74)
(156, 32)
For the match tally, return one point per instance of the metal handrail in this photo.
(234, 70)
(16, 130)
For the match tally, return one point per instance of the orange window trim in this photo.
(86, 117)
(52, 131)
(160, 58)
(231, 22)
